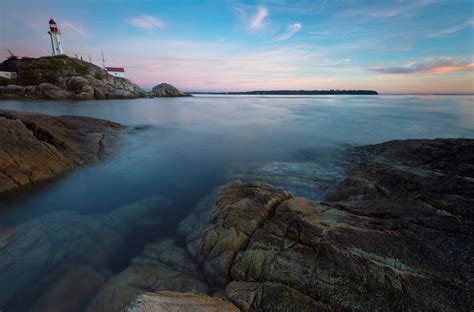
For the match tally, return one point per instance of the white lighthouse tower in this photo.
(55, 38)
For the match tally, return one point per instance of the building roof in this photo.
(115, 69)
(51, 21)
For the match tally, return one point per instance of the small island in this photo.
(296, 92)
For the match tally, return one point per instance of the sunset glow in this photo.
(389, 46)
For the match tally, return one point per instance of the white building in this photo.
(55, 38)
(8, 74)
(116, 71)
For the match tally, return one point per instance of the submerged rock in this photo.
(307, 179)
(161, 266)
(166, 90)
(73, 292)
(35, 146)
(47, 250)
(63, 77)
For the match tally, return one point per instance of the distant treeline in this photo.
(295, 92)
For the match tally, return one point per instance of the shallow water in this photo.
(182, 148)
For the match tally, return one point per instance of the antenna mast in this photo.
(103, 60)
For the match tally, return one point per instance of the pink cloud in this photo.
(432, 66)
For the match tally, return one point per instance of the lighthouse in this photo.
(55, 38)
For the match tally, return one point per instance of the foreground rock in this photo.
(397, 238)
(63, 77)
(167, 90)
(183, 302)
(35, 147)
(395, 235)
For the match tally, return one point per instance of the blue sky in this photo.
(391, 46)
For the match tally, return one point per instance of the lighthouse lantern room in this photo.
(55, 38)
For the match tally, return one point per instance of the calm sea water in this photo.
(182, 148)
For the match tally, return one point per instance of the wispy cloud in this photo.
(240, 11)
(258, 20)
(432, 66)
(343, 61)
(292, 29)
(452, 30)
(146, 22)
(75, 28)
(390, 9)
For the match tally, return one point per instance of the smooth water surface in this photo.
(179, 149)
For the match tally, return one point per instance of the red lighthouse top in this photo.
(52, 26)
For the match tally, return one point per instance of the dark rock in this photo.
(34, 146)
(354, 188)
(166, 90)
(395, 235)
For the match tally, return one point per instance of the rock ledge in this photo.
(35, 147)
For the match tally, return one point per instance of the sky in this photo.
(399, 46)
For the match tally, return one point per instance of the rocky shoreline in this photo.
(35, 147)
(395, 234)
(63, 77)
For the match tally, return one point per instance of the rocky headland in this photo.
(396, 234)
(35, 147)
(63, 77)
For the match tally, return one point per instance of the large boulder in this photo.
(35, 146)
(166, 90)
(228, 232)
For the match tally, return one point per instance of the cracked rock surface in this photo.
(35, 146)
(395, 235)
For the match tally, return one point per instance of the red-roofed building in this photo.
(116, 71)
